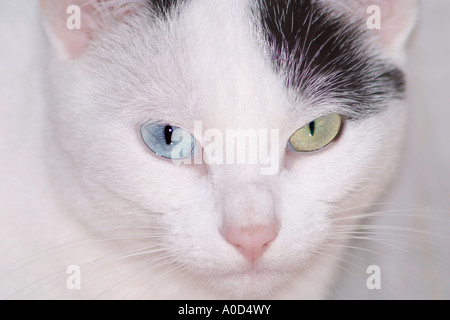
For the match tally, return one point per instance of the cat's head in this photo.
(144, 87)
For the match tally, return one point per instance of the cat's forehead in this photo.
(277, 57)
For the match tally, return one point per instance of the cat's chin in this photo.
(251, 284)
(257, 282)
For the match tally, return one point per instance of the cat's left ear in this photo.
(390, 21)
(396, 21)
(72, 24)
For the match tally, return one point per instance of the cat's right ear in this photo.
(72, 24)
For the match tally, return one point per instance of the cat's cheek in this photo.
(196, 163)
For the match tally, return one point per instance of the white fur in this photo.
(88, 191)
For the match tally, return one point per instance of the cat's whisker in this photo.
(405, 241)
(347, 253)
(325, 278)
(398, 245)
(16, 266)
(54, 277)
(396, 241)
(90, 282)
(404, 213)
(128, 278)
(379, 232)
(337, 258)
(158, 262)
(393, 244)
(120, 281)
(384, 235)
(154, 263)
(178, 268)
(173, 272)
(394, 229)
(348, 262)
(354, 248)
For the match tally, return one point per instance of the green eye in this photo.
(317, 134)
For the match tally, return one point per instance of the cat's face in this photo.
(238, 230)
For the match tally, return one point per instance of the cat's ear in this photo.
(391, 21)
(396, 21)
(71, 24)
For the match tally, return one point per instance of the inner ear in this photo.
(396, 18)
(72, 24)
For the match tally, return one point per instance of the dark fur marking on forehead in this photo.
(324, 58)
(163, 7)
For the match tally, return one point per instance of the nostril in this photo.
(251, 241)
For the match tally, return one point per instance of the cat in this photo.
(120, 185)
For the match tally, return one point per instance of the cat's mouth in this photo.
(265, 278)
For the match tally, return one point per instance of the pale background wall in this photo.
(419, 264)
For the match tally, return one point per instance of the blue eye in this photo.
(168, 141)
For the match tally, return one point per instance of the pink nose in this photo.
(251, 241)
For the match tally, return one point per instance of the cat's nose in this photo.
(251, 241)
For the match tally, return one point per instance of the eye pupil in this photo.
(167, 141)
(312, 127)
(168, 131)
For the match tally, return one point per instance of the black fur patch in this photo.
(163, 7)
(324, 58)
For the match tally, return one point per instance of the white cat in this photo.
(95, 116)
